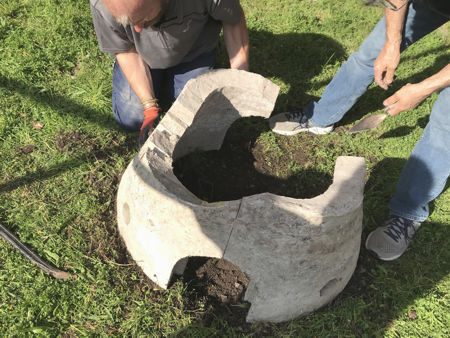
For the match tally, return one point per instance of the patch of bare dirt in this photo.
(75, 70)
(73, 141)
(25, 150)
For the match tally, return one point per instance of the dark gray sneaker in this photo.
(390, 241)
(295, 122)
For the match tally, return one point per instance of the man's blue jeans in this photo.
(127, 108)
(428, 168)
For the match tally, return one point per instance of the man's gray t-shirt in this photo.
(188, 29)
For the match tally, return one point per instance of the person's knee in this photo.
(126, 106)
(129, 117)
(364, 57)
(440, 116)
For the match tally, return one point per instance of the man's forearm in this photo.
(137, 73)
(437, 81)
(389, 57)
(394, 21)
(411, 95)
(237, 43)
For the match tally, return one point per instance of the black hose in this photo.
(32, 256)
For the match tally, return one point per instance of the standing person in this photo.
(163, 42)
(426, 172)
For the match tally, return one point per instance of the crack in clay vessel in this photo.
(298, 253)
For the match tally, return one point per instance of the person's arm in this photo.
(389, 57)
(140, 79)
(411, 95)
(137, 73)
(237, 43)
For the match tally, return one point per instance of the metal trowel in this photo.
(370, 122)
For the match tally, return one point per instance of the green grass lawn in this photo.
(61, 156)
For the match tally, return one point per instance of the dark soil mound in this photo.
(248, 164)
(220, 286)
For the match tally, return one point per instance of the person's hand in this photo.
(150, 115)
(406, 98)
(386, 64)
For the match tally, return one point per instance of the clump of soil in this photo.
(220, 286)
(223, 281)
(25, 150)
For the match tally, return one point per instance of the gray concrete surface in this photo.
(298, 253)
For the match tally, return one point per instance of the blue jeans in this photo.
(127, 108)
(428, 168)
(425, 174)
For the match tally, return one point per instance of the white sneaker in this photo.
(295, 122)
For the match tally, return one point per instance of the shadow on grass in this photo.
(295, 58)
(63, 105)
(405, 130)
(83, 150)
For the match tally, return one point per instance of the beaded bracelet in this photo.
(148, 103)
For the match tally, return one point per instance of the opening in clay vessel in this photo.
(250, 163)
